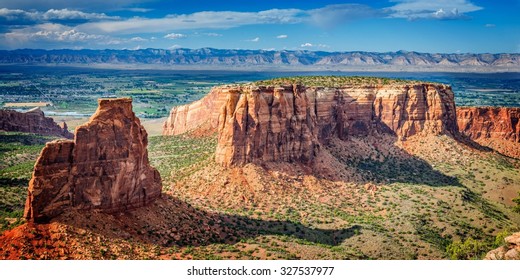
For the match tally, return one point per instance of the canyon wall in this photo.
(201, 113)
(105, 167)
(32, 121)
(497, 128)
(289, 123)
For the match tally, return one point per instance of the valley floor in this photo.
(369, 198)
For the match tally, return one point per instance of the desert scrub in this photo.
(516, 208)
(176, 156)
(333, 81)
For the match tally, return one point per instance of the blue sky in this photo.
(445, 26)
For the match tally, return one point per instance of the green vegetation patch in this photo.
(18, 152)
(176, 157)
(334, 81)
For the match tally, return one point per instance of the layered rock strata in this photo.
(497, 128)
(288, 123)
(32, 121)
(203, 112)
(105, 167)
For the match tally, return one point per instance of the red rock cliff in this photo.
(201, 113)
(105, 167)
(497, 128)
(32, 121)
(288, 123)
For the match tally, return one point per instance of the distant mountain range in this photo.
(295, 59)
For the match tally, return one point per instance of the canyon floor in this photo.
(364, 198)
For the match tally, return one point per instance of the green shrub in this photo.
(470, 249)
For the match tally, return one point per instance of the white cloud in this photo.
(311, 45)
(211, 34)
(174, 47)
(208, 19)
(283, 36)
(174, 36)
(51, 32)
(76, 4)
(66, 14)
(257, 39)
(426, 9)
(138, 10)
(490, 25)
(138, 39)
(23, 17)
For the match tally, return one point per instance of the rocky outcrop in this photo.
(497, 128)
(105, 167)
(201, 113)
(290, 122)
(32, 121)
(510, 251)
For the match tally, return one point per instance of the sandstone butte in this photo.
(105, 167)
(290, 122)
(497, 128)
(32, 121)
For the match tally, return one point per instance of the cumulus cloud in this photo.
(51, 32)
(22, 17)
(66, 14)
(426, 9)
(307, 45)
(174, 36)
(254, 40)
(490, 25)
(283, 36)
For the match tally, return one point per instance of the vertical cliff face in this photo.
(105, 167)
(200, 113)
(497, 128)
(32, 121)
(290, 122)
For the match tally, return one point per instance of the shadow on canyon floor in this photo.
(171, 221)
(380, 160)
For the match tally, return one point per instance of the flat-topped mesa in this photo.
(289, 122)
(494, 127)
(32, 121)
(105, 167)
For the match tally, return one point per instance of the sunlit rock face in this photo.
(494, 127)
(32, 121)
(290, 122)
(105, 167)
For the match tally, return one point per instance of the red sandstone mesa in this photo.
(32, 121)
(105, 167)
(288, 123)
(497, 128)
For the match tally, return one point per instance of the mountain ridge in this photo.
(204, 57)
